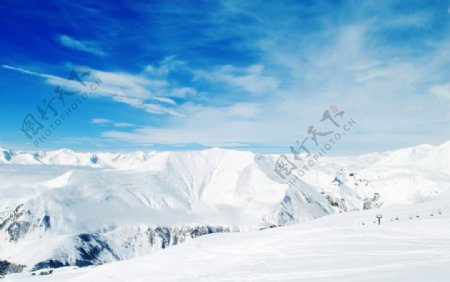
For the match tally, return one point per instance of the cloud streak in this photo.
(84, 46)
(134, 90)
(250, 79)
(100, 121)
(103, 121)
(441, 91)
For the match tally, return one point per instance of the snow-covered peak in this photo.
(139, 159)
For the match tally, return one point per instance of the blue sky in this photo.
(176, 75)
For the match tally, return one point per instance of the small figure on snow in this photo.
(379, 217)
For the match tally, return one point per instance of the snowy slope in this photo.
(66, 208)
(81, 214)
(332, 248)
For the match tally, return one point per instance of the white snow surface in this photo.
(47, 199)
(333, 248)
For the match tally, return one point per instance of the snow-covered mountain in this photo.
(411, 244)
(65, 208)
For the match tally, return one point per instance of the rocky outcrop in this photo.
(7, 267)
(21, 221)
(123, 243)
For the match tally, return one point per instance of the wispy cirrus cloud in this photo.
(382, 62)
(251, 79)
(113, 123)
(235, 125)
(123, 124)
(165, 66)
(136, 90)
(33, 73)
(358, 63)
(100, 120)
(441, 90)
(84, 46)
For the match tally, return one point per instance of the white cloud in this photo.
(123, 124)
(382, 90)
(183, 92)
(134, 90)
(237, 125)
(250, 79)
(108, 121)
(100, 120)
(43, 75)
(85, 46)
(441, 90)
(163, 68)
(416, 19)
